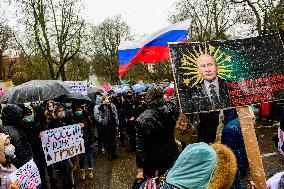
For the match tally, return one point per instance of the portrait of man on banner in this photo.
(202, 78)
(218, 75)
(213, 92)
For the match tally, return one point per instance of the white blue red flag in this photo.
(152, 48)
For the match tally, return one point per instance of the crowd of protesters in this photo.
(147, 120)
(107, 117)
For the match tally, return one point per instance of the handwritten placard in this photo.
(78, 86)
(216, 75)
(62, 143)
(27, 176)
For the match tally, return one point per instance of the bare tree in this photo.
(264, 20)
(211, 19)
(57, 31)
(105, 40)
(6, 39)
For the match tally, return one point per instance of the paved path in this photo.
(119, 174)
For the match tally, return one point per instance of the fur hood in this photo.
(225, 171)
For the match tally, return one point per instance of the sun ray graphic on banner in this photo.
(191, 75)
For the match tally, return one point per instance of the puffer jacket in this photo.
(232, 137)
(155, 140)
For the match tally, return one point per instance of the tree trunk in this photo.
(62, 74)
(1, 66)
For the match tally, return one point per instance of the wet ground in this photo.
(120, 173)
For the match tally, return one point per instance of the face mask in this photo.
(61, 114)
(78, 113)
(50, 108)
(29, 118)
(9, 150)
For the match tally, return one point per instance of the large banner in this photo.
(78, 86)
(27, 176)
(223, 74)
(62, 143)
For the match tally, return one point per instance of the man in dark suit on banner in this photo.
(213, 92)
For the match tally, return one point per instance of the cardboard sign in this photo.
(27, 176)
(223, 74)
(78, 86)
(62, 143)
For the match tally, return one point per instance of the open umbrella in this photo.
(75, 98)
(118, 89)
(139, 88)
(35, 90)
(93, 90)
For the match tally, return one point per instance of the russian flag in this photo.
(152, 48)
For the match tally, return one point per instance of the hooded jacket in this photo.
(199, 166)
(4, 171)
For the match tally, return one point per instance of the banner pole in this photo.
(252, 148)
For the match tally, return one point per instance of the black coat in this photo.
(56, 123)
(198, 100)
(155, 142)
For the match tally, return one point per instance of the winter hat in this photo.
(154, 93)
(201, 166)
(3, 138)
(12, 114)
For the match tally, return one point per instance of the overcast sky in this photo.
(143, 16)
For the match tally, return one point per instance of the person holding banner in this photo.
(80, 116)
(65, 166)
(7, 151)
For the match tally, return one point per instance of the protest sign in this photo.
(62, 143)
(222, 74)
(78, 86)
(27, 176)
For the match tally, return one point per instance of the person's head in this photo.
(58, 111)
(154, 94)
(7, 150)
(78, 111)
(50, 105)
(98, 100)
(106, 99)
(207, 67)
(129, 94)
(28, 115)
(12, 115)
(203, 166)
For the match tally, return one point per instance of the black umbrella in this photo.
(35, 90)
(92, 91)
(75, 98)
